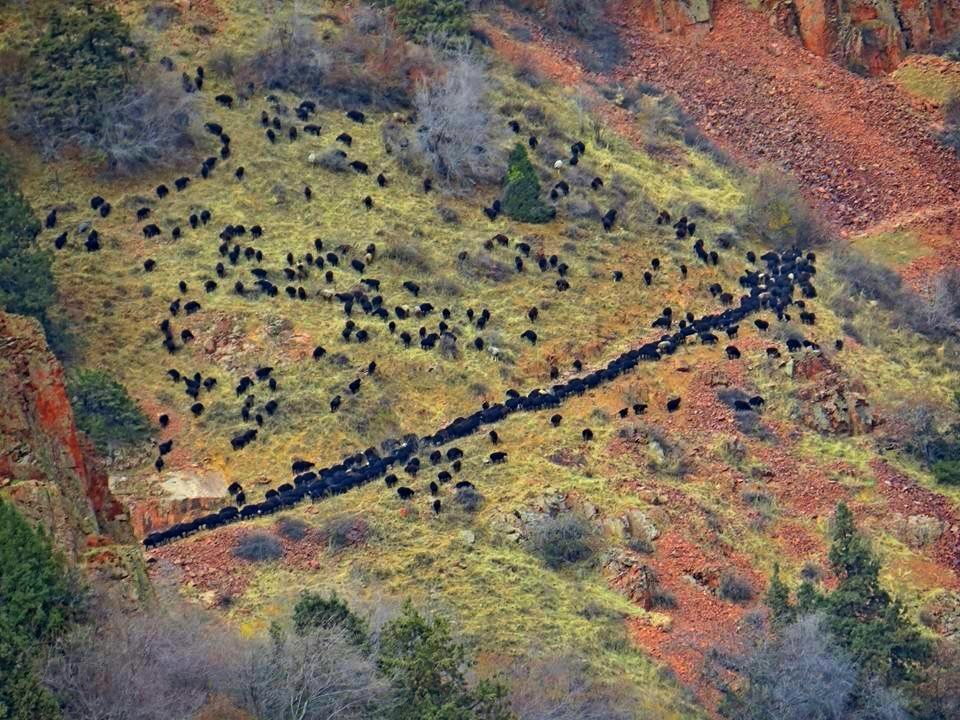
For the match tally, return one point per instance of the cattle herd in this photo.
(770, 283)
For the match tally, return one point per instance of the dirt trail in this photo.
(859, 147)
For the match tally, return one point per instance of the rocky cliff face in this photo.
(47, 467)
(870, 36)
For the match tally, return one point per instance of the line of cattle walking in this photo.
(772, 290)
(775, 293)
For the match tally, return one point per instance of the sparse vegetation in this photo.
(104, 410)
(291, 528)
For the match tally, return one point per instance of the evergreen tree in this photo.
(426, 667)
(862, 616)
(26, 275)
(778, 599)
(81, 63)
(37, 600)
(314, 611)
(423, 19)
(104, 410)
(521, 196)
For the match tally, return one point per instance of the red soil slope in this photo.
(860, 148)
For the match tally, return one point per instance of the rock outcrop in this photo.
(676, 16)
(47, 468)
(830, 402)
(871, 36)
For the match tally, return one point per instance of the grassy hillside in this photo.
(725, 490)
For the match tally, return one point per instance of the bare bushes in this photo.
(363, 62)
(803, 673)
(454, 139)
(155, 667)
(291, 56)
(562, 540)
(146, 667)
(779, 216)
(935, 315)
(258, 546)
(560, 688)
(148, 126)
(320, 675)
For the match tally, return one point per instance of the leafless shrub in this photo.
(468, 498)
(448, 347)
(448, 215)
(446, 287)
(734, 587)
(801, 674)
(341, 531)
(661, 598)
(779, 216)
(322, 675)
(936, 316)
(454, 138)
(224, 63)
(561, 689)
(562, 540)
(292, 528)
(149, 667)
(483, 266)
(148, 126)
(258, 546)
(332, 160)
(914, 427)
(160, 15)
(410, 255)
(291, 57)
(942, 306)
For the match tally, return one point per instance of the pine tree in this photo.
(26, 275)
(81, 63)
(862, 615)
(314, 611)
(37, 600)
(427, 668)
(778, 599)
(521, 196)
